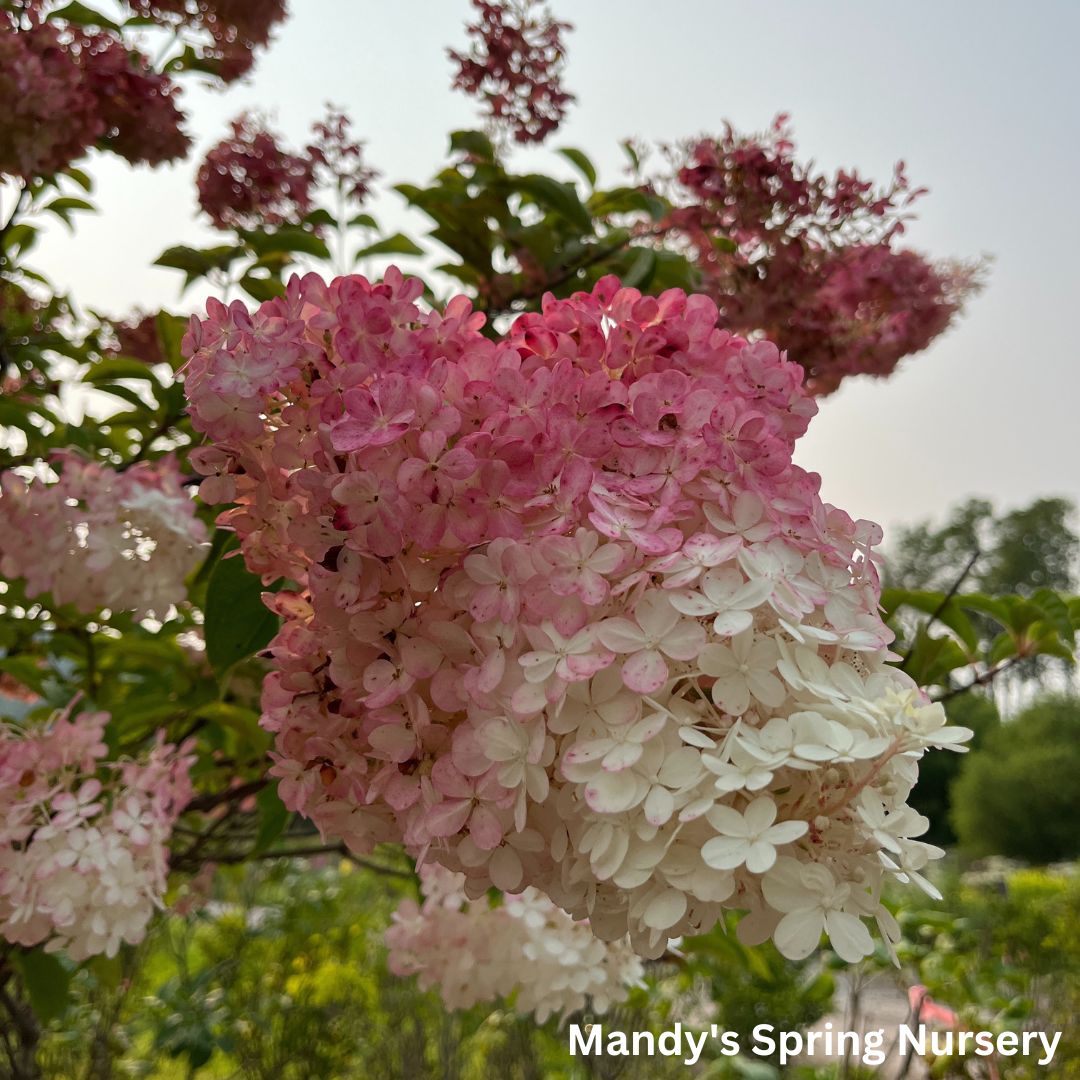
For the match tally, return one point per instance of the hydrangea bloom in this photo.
(99, 538)
(569, 616)
(481, 953)
(83, 860)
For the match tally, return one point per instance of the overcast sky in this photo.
(979, 98)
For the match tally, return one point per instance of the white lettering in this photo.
(676, 1041)
(761, 1036)
(616, 1045)
(596, 1034)
(873, 1054)
(907, 1037)
(1049, 1047)
(785, 1049)
(695, 1050)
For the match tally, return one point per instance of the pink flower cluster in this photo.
(808, 259)
(83, 860)
(101, 538)
(515, 67)
(527, 947)
(569, 617)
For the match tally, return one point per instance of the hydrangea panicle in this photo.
(569, 617)
(83, 860)
(515, 65)
(101, 538)
(476, 953)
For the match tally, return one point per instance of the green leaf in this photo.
(64, 206)
(273, 817)
(81, 178)
(562, 198)
(108, 971)
(238, 624)
(171, 330)
(631, 153)
(641, 269)
(1003, 647)
(47, 982)
(261, 289)
(1056, 613)
(398, 244)
(19, 238)
(366, 220)
(245, 722)
(120, 367)
(288, 238)
(474, 143)
(319, 216)
(80, 15)
(929, 603)
(581, 163)
(725, 244)
(197, 263)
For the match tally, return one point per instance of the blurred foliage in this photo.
(282, 976)
(984, 594)
(1017, 794)
(1002, 949)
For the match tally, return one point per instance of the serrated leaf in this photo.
(398, 244)
(581, 162)
(238, 624)
(47, 982)
(273, 817)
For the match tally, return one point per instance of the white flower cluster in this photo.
(749, 748)
(98, 538)
(527, 946)
(83, 863)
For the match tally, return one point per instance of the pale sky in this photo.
(978, 98)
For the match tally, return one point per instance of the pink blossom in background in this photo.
(101, 538)
(83, 860)
(526, 947)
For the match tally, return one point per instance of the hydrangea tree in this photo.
(522, 578)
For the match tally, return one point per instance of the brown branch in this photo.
(944, 603)
(982, 680)
(216, 798)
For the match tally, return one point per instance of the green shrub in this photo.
(1019, 794)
